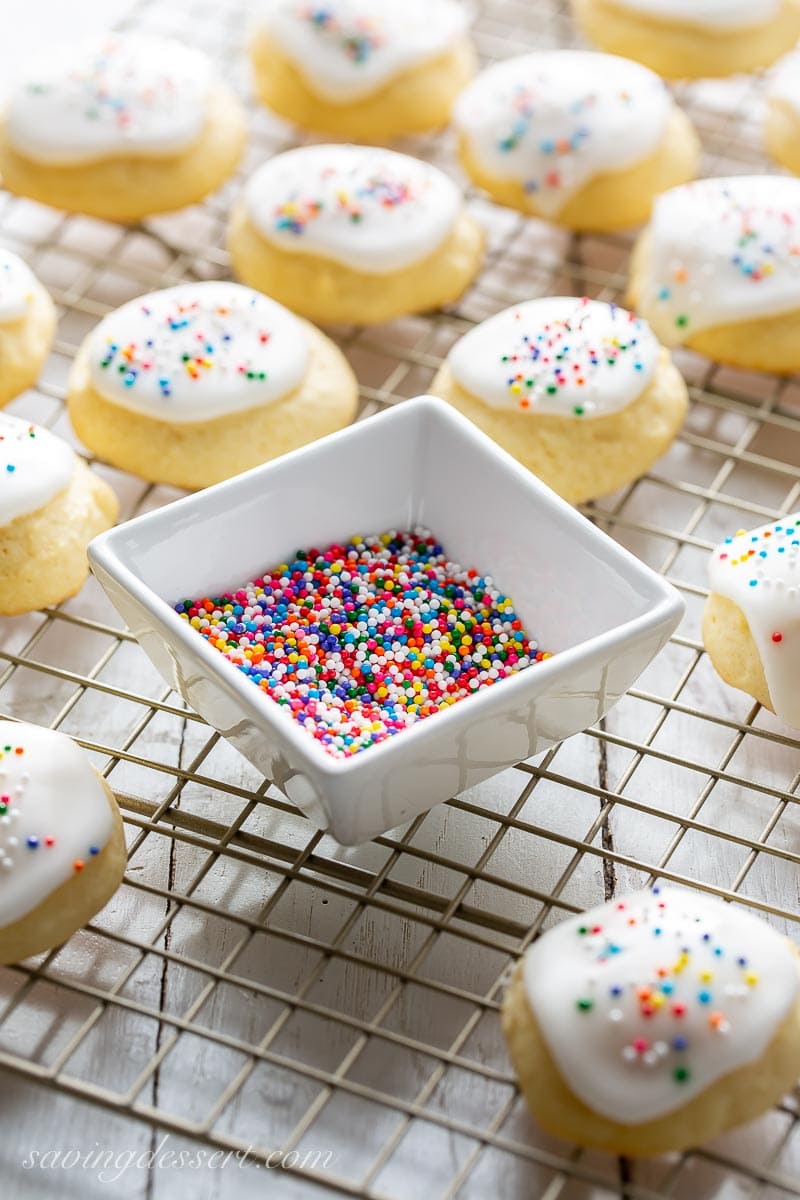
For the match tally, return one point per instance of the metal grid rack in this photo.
(255, 986)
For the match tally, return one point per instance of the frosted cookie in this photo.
(370, 70)
(655, 1022)
(119, 127)
(195, 383)
(27, 326)
(718, 270)
(751, 622)
(782, 123)
(354, 234)
(62, 847)
(579, 391)
(686, 39)
(51, 506)
(586, 140)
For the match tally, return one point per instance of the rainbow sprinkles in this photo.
(360, 641)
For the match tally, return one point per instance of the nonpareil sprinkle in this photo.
(360, 641)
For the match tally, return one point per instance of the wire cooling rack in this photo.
(255, 988)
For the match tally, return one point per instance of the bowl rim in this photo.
(667, 604)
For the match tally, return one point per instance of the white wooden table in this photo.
(254, 985)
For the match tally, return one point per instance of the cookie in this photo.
(585, 140)
(62, 847)
(579, 391)
(687, 39)
(718, 270)
(51, 506)
(782, 122)
(354, 234)
(751, 622)
(195, 383)
(120, 126)
(27, 326)
(360, 70)
(655, 1022)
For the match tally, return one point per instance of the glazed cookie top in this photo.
(115, 95)
(573, 358)
(348, 49)
(784, 82)
(553, 120)
(645, 1002)
(369, 209)
(54, 815)
(759, 570)
(719, 251)
(34, 467)
(17, 287)
(196, 352)
(708, 14)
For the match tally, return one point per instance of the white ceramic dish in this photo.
(602, 612)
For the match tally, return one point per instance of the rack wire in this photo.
(253, 987)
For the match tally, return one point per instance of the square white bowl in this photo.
(602, 612)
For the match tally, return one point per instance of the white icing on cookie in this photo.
(371, 210)
(348, 49)
(553, 120)
(17, 287)
(34, 467)
(784, 83)
(645, 1002)
(720, 251)
(197, 351)
(707, 14)
(574, 358)
(54, 815)
(115, 95)
(759, 570)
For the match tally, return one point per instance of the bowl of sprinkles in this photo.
(387, 616)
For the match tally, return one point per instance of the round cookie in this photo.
(692, 39)
(585, 140)
(751, 622)
(782, 122)
(654, 1023)
(196, 383)
(51, 506)
(718, 263)
(27, 326)
(119, 127)
(62, 846)
(579, 391)
(354, 234)
(360, 69)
